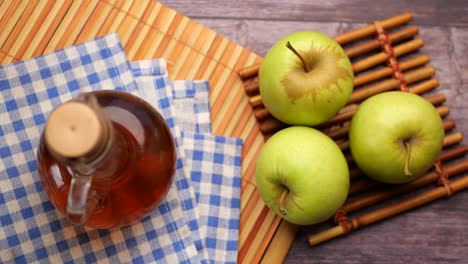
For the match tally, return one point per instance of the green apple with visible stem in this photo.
(302, 175)
(305, 78)
(395, 137)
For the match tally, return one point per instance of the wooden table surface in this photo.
(435, 233)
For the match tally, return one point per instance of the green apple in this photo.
(305, 78)
(302, 175)
(395, 137)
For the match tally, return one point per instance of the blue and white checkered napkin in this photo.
(32, 231)
(214, 162)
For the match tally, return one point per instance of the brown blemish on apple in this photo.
(316, 69)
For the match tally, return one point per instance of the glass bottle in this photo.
(106, 159)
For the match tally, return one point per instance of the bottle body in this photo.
(132, 178)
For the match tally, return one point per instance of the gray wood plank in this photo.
(429, 12)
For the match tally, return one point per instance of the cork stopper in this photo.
(73, 130)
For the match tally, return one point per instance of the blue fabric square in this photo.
(103, 232)
(6, 220)
(55, 226)
(47, 206)
(150, 235)
(220, 139)
(187, 204)
(12, 172)
(196, 176)
(218, 158)
(65, 66)
(32, 99)
(62, 246)
(85, 59)
(90, 258)
(111, 251)
(105, 53)
(231, 245)
(26, 145)
(236, 182)
(138, 260)
(5, 152)
(158, 254)
(2, 198)
(27, 212)
(217, 179)
(170, 228)
(235, 202)
(93, 78)
(45, 73)
(11, 105)
(73, 85)
(39, 119)
(25, 79)
(37, 184)
(4, 85)
(164, 103)
(1, 132)
(210, 242)
(163, 208)
(198, 155)
(52, 92)
(131, 242)
(41, 253)
(193, 225)
(177, 246)
(18, 125)
(213, 221)
(34, 233)
(215, 200)
(237, 161)
(13, 240)
(83, 238)
(21, 260)
(179, 164)
(160, 83)
(183, 184)
(233, 224)
(32, 165)
(113, 72)
(170, 122)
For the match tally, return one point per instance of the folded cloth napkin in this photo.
(32, 231)
(156, 86)
(214, 162)
(180, 231)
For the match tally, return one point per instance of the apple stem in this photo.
(408, 155)
(307, 67)
(281, 201)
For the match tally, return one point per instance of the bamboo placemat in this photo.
(147, 30)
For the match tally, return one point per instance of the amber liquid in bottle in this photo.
(132, 178)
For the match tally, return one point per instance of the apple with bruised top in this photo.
(305, 78)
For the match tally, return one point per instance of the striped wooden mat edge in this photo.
(149, 29)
